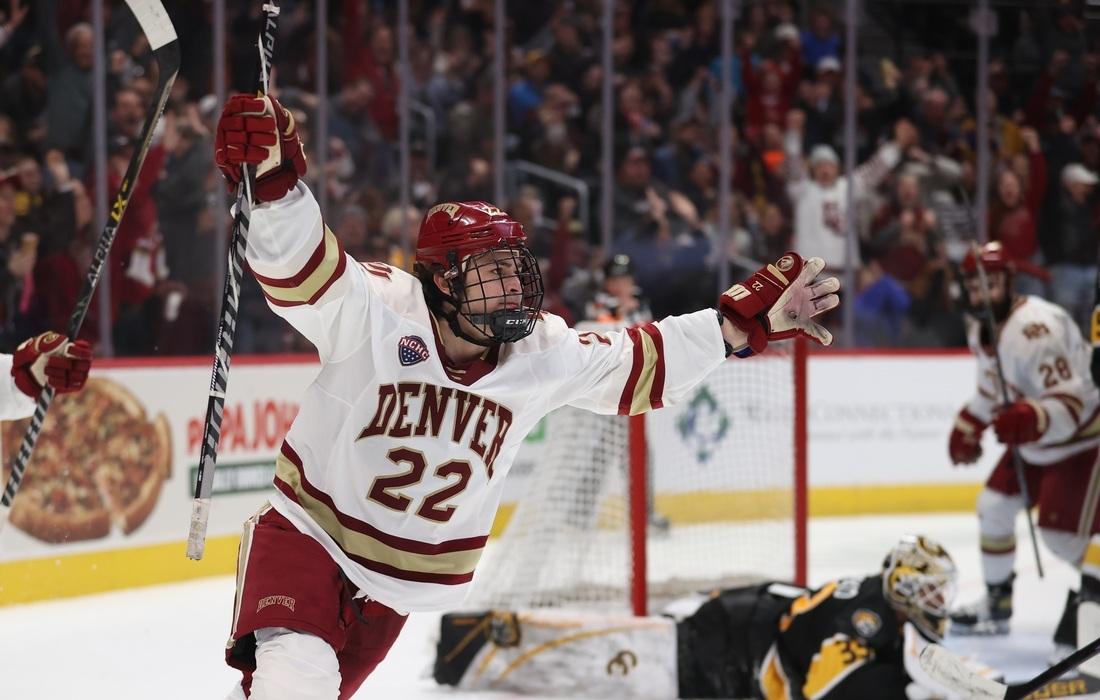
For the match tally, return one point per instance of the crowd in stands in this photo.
(914, 188)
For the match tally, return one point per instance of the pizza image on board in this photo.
(100, 462)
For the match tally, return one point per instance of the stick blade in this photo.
(950, 671)
(154, 22)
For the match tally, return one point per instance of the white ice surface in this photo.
(167, 642)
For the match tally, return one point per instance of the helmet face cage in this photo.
(499, 292)
(919, 580)
(992, 261)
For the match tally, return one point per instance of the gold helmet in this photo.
(918, 580)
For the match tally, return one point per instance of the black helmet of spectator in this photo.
(618, 266)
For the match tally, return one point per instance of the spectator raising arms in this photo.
(820, 197)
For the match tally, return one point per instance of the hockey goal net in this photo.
(628, 513)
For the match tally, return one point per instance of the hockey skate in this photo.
(1065, 634)
(988, 616)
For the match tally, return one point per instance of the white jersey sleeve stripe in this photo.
(325, 266)
(1073, 405)
(646, 381)
(446, 563)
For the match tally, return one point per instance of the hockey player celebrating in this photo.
(389, 479)
(851, 639)
(1053, 418)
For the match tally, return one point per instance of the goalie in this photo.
(853, 638)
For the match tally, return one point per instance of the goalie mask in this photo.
(493, 280)
(918, 580)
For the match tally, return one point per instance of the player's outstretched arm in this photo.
(298, 262)
(779, 301)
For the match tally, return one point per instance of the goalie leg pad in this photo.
(570, 654)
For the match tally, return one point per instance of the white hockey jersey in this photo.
(14, 404)
(396, 461)
(1045, 358)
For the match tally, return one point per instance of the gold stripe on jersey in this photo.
(640, 402)
(362, 545)
(838, 657)
(805, 603)
(773, 680)
(303, 289)
(1073, 404)
(997, 545)
(1091, 564)
(1090, 428)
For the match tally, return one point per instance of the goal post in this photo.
(629, 513)
(639, 516)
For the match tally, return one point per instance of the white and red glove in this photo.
(52, 359)
(260, 132)
(965, 444)
(1020, 422)
(780, 300)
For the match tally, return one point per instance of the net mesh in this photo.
(720, 504)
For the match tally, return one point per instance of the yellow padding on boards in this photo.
(825, 501)
(95, 572)
(888, 499)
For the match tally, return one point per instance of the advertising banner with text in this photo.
(115, 466)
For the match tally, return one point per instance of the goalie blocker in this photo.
(853, 638)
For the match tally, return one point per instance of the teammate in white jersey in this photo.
(389, 479)
(1053, 418)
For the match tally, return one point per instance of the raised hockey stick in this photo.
(1094, 332)
(227, 326)
(161, 35)
(1017, 462)
(951, 671)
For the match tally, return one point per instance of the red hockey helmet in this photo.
(992, 256)
(453, 231)
(472, 242)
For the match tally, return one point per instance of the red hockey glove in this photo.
(965, 445)
(51, 358)
(780, 300)
(1020, 422)
(261, 132)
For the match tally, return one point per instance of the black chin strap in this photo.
(452, 321)
(435, 299)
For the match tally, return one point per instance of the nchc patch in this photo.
(867, 622)
(411, 349)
